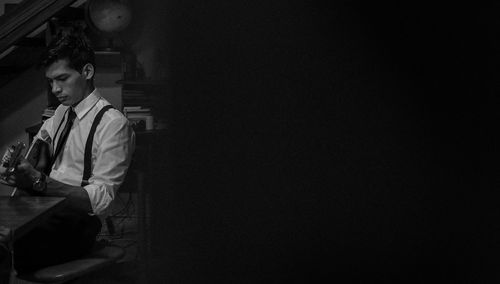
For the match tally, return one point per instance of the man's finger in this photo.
(10, 181)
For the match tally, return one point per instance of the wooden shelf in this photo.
(142, 82)
(143, 134)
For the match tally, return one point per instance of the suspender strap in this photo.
(87, 162)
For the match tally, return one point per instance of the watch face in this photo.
(39, 184)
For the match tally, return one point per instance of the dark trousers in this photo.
(62, 238)
(5, 262)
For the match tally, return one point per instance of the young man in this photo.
(87, 166)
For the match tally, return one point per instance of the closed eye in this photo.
(60, 78)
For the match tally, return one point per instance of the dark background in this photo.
(350, 141)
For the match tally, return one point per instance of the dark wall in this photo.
(335, 141)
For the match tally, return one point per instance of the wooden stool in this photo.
(96, 260)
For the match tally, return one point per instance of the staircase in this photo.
(26, 28)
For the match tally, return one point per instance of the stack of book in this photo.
(141, 118)
(132, 97)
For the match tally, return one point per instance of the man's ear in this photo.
(88, 71)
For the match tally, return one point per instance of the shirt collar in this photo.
(83, 107)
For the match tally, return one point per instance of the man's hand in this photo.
(23, 175)
(6, 177)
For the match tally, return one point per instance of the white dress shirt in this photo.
(112, 149)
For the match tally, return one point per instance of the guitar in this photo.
(37, 155)
(11, 157)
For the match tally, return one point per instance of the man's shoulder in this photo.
(112, 115)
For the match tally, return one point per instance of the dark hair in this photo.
(74, 48)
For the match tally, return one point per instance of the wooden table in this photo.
(21, 214)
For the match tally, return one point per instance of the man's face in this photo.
(68, 85)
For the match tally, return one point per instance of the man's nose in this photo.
(55, 88)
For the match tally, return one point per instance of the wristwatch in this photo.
(39, 184)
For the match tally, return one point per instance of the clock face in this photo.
(109, 17)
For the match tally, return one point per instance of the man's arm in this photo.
(77, 197)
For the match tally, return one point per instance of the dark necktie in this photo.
(64, 134)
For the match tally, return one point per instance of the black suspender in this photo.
(87, 162)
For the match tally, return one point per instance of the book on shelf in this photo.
(137, 109)
(132, 107)
(127, 110)
(140, 117)
(136, 99)
(141, 122)
(133, 93)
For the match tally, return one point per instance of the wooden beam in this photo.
(31, 41)
(26, 17)
(67, 13)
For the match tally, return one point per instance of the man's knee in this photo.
(5, 255)
(5, 260)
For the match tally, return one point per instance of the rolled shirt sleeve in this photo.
(112, 151)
